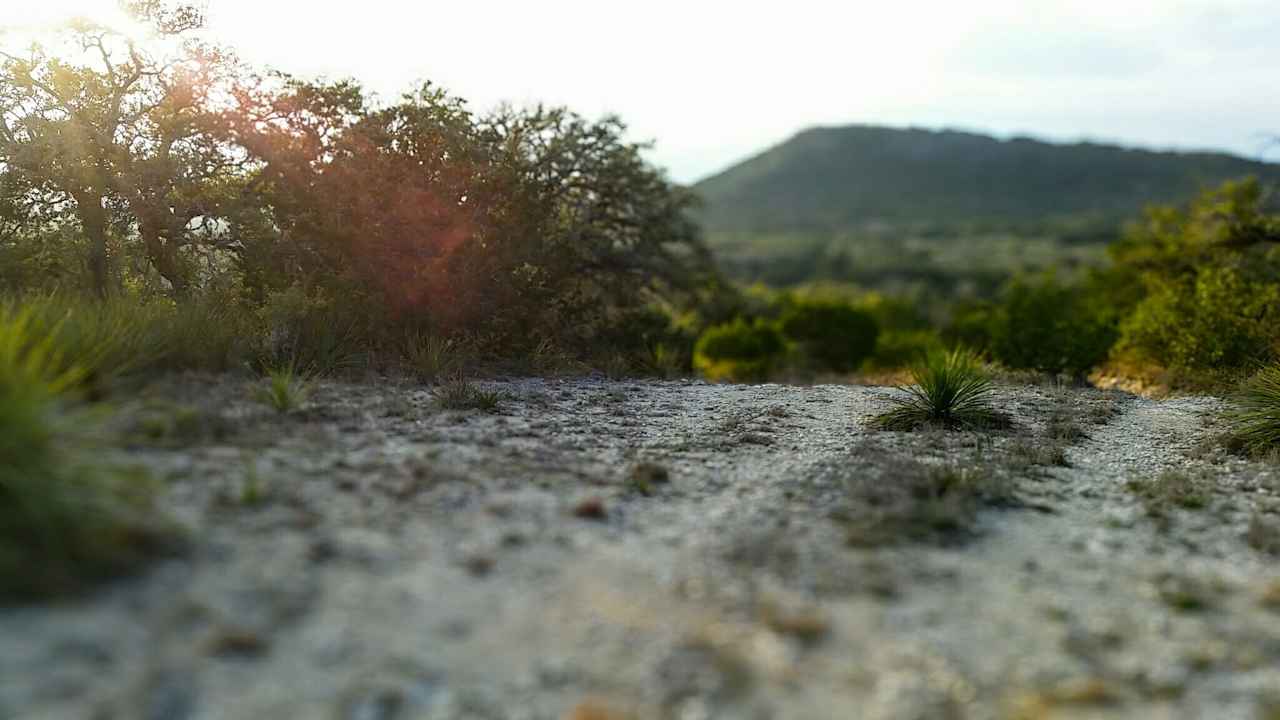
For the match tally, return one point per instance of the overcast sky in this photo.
(713, 82)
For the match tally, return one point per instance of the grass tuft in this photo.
(460, 394)
(285, 389)
(66, 516)
(1255, 413)
(1171, 489)
(893, 500)
(429, 357)
(951, 390)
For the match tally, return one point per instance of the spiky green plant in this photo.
(461, 394)
(285, 389)
(66, 515)
(950, 389)
(429, 357)
(1255, 412)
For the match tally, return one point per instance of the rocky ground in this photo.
(596, 549)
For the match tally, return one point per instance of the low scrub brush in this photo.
(949, 389)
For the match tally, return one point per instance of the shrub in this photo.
(1255, 413)
(1209, 281)
(950, 389)
(905, 348)
(739, 351)
(66, 516)
(1216, 319)
(312, 332)
(833, 336)
(1049, 327)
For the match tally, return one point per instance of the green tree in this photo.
(1209, 274)
(1049, 326)
(834, 335)
(115, 135)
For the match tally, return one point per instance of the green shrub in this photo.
(905, 348)
(312, 332)
(1215, 319)
(66, 516)
(1208, 276)
(1255, 412)
(739, 351)
(833, 336)
(950, 389)
(1049, 327)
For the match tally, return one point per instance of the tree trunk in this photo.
(93, 220)
(163, 256)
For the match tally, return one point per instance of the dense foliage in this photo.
(169, 170)
(1051, 327)
(1210, 279)
(835, 336)
(740, 350)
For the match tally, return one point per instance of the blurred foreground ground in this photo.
(619, 549)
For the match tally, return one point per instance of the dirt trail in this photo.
(404, 562)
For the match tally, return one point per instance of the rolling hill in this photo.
(886, 206)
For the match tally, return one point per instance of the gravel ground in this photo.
(599, 549)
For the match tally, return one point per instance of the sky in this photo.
(712, 82)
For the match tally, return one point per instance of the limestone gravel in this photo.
(375, 557)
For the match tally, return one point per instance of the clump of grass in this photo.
(1024, 455)
(950, 389)
(66, 516)
(1171, 489)
(461, 394)
(896, 500)
(1255, 413)
(170, 425)
(285, 389)
(429, 357)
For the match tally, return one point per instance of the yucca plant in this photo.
(1255, 412)
(429, 357)
(285, 389)
(66, 515)
(461, 394)
(949, 389)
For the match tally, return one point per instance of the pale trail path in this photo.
(414, 564)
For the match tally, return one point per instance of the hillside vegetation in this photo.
(950, 211)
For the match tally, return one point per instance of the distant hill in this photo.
(868, 203)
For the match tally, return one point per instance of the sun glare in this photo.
(34, 17)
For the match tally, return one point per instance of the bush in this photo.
(950, 389)
(66, 516)
(739, 351)
(1216, 319)
(833, 336)
(1050, 327)
(1255, 412)
(1209, 281)
(905, 348)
